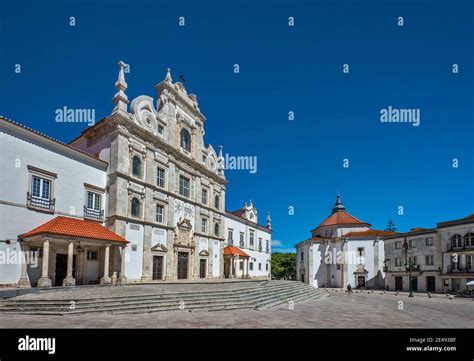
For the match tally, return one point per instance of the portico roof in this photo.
(76, 228)
(234, 251)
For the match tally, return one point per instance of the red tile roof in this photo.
(72, 227)
(340, 218)
(369, 233)
(234, 251)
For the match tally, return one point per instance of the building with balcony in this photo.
(138, 196)
(247, 244)
(442, 257)
(457, 245)
(419, 248)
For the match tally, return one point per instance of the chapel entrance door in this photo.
(183, 258)
(157, 267)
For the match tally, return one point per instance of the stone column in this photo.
(24, 281)
(69, 280)
(247, 268)
(106, 280)
(45, 281)
(122, 279)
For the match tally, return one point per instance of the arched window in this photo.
(185, 140)
(469, 239)
(456, 241)
(136, 166)
(216, 202)
(216, 229)
(135, 207)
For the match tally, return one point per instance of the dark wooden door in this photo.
(61, 268)
(414, 284)
(202, 268)
(157, 267)
(430, 284)
(398, 283)
(183, 258)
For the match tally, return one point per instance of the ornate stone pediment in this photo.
(204, 253)
(159, 247)
(361, 269)
(183, 236)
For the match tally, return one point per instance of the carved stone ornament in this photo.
(145, 114)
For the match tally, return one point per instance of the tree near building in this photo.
(284, 266)
(390, 227)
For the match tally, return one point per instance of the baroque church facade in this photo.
(145, 199)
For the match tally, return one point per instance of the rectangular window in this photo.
(242, 240)
(398, 244)
(41, 188)
(230, 236)
(252, 238)
(241, 265)
(204, 225)
(93, 201)
(184, 186)
(160, 130)
(267, 246)
(429, 241)
(160, 177)
(412, 243)
(266, 267)
(251, 266)
(360, 251)
(204, 196)
(160, 212)
(469, 259)
(398, 262)
(260, 245)
(412, 261)
(302, 256)
(259, 266)
(429, 260)
(92, 255)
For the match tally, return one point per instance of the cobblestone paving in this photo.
(338, 311)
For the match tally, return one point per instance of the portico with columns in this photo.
(233, 258)
(68, 252)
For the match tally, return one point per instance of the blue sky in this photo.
(282, 69)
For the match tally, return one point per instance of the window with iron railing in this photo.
(40, 196)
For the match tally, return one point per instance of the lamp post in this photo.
(408, 265)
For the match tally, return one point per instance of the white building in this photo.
(342, 250)
(43, 180)
(457, 244)
(420, 248)
(443, 257)
(248, 244)
(138, 195)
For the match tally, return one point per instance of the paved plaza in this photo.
(340, 310)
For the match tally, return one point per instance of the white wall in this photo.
(256, 257)
(20, 148)
(134, 259)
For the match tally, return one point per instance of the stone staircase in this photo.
(263, 295)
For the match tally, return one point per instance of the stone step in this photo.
(66, 302)
(296, 299)
(266, 296)
(254, 300)
(121, 300)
